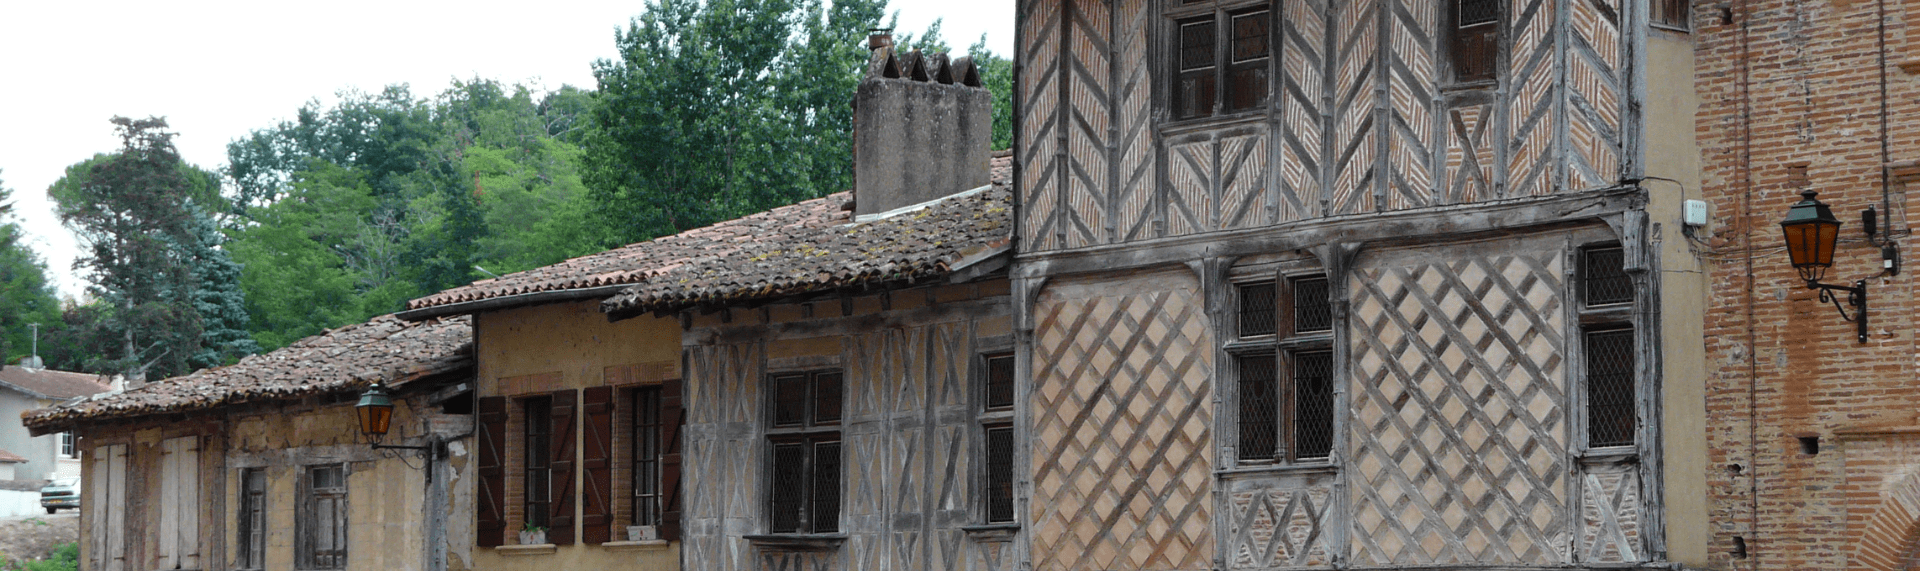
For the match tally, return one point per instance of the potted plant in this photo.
(532, 534)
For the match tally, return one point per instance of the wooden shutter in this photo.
(168, 554)
(180, 503)
(491, 524)
(672, 419)
(117, 511)
(596, 463)
(566, 404)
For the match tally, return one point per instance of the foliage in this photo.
(349, 211)
(65, 557)
(26, 296)
(722, 108)
(137, 211)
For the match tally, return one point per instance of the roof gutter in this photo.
(510, 302)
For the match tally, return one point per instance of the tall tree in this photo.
(135, 211)
(26, 296)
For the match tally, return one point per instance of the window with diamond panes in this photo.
(1475, 40)
(1284, 402)
(804, 483)
(996, 432)
(1222, 59)
(999, 447)
(1611, 416)
(1603, 276)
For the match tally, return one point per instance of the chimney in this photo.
(922, 129)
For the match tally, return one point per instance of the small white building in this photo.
(40, 457)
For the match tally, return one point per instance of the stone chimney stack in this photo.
(922, 129)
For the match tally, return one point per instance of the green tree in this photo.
(996, 73)
(26, 296)
(135, 210)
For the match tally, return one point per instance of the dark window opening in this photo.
(646, 456)
(459, 404)
(1194, 87)
(1610, 388)
(1810, 445)
(1312, 305)
(539, 450)
(1257, 311)
(253, 519)
(1603, 276)
(322, 532)
(1259, 407)
(1475, 40)
(805, 480)
(999, 390)
(999, 474)
(1313, 404)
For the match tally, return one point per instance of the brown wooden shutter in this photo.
(565, 405)
(597, 463)
(672, 419)
(491, 528)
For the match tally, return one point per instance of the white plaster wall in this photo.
(14, 503)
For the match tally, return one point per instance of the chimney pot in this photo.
(922, 130)
(879, 38)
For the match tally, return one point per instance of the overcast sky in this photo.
(216, 70)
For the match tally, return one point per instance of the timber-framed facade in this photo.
(1451, 205)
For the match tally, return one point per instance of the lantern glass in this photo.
(375, 411)
(1811, 232)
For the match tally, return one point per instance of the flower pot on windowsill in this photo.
(533, 537)
(642, 533)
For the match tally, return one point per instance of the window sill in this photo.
(991, 532)
(798, 541)
(647, 545)
(523, 550)
(1315, 468)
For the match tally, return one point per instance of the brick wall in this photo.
(1787, 85)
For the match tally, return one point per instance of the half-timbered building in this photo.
(1356, 284)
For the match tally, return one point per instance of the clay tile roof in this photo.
(51, 384)
(384, 349)
(789, 259)
(11, 458)
(766, 253)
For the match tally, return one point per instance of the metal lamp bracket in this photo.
(1856, 297)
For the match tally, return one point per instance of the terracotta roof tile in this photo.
(809, 244)
(384, 349)
(51, 384)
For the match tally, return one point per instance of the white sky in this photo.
(217, 70)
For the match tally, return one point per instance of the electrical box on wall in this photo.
(1696, 213)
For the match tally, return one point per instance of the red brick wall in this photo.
(1785, 83)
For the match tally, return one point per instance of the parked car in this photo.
(60, 494)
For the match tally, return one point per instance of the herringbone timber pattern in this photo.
(1279, 528)
(1355, 144)
(1122, 423)
(1470, 160)
(1038, 90)
(1303, 76)
(1089, 123)
(1457, 452)
(1412, 134)
(723, 388)
(1532, 76)
(1610, 516)
(1190, 206)
(799, 561)
(1243, 183)
(1135, 206)
(1594, 93)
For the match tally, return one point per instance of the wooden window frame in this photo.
(69, 445)
(1285, 347)
(250, 547)
(1676, 15)
(1460, 40)
(812, 433)
(308, 554)
(1223, 16)
(996, 489)
(1604, 318)
(536, 429)
(645, 450)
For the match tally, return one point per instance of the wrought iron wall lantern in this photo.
(376, 414)
(1811, 232)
